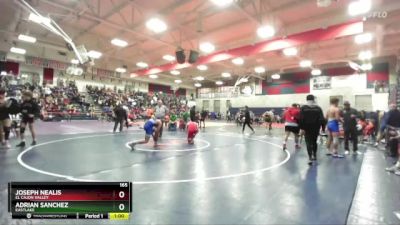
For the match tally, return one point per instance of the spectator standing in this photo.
(393, 120)
(193, 113)
(310, 121)
(291, 116)
(203, 116)
(350, 116)
(395, 134)
(382, 127)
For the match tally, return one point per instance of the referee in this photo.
(160, 112)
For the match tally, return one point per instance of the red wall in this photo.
(9, 67)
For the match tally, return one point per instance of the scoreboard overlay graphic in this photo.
(70, 200)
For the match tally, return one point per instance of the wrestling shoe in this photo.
(132, 145)
(21, 144)
(284, 147)
(297, 147)
(394, 168)
(310, 162)
(33, 143)
(314, 158)
(337, 156)
(5, 145)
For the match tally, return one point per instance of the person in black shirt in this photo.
(192, 113)
(393, 120)
(120, 117)
(29, 108)
(203, 116)
(310, 121)
(247, 119)
(5, 121)
(350, 116)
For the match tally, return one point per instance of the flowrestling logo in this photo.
(378, 15)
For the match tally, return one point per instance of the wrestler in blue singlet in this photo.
(149, 127)
(333, 125)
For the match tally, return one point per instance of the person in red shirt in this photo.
(291, 116)
(192, 130)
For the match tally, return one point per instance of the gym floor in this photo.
(226, 177)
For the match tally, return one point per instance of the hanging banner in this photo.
(103, 73)
(46, 63)
(57, 65)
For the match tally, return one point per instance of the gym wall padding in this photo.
(289, 83)
(380, 73)
(10, 67)
(48, 75)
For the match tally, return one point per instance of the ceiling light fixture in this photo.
(316, 72)
(225, 74)
(197, 85)
(202, 67)
(18, 50)
(120, 70)
(119, 42)
(363, 38)
(169, 58)
(142, 64)
(38, 19)
(26, 38)
(219, 82)
(178, 81)
(222, 3)
(199, 78)
(238, 61)
(265, 31)
(290, 51)
(74, 61)
(94, 54)
(153, 76)
(175, 72)
(276, 76)
(132, 75)
(207, 47)
(359, 7)
(366, 66)
(305, 63)
(259, 69)
(365, 55)
(156, 25)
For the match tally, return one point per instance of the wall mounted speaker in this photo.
(180, 56)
